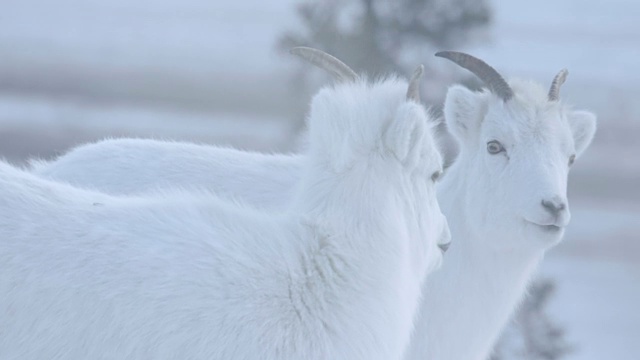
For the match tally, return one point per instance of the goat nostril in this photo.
(553, 206)
(444, 247)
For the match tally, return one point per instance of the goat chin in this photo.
(336, 274)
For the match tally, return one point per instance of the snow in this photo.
(267, 134)
(598, 281)
(543, 36)
(206, 35)
(596, 301)
(79, 70)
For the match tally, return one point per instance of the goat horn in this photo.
(339, 70)
(482, 70)
(413, 91)
(558, 80)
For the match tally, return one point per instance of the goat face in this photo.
(384, 119)
(516, 154)
(351, 120)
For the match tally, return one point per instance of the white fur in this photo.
(493, 203)
(185, 275)
(485, 197)
(134, 166)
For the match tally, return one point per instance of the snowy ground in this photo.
(598, 272)
(79, 70)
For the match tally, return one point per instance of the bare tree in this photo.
(381, 36)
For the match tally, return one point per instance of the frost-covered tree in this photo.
(533, 335)
(382, 36)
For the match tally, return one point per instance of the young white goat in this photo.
(180, 275)
(505, 197)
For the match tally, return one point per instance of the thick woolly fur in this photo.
(135, 166)
(186, 275)
(493, 204)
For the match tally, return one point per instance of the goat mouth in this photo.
(551, 229)
(444, 247)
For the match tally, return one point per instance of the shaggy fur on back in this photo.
(187, 275)
(145, 165)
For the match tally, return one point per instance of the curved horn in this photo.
(482, 70)
(339, 70)
(558, 80)
(413, 91)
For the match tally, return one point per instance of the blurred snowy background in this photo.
(73, 71)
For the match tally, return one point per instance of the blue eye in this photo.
(494, 147)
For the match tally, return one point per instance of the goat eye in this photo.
(494, 147)
(572, 159)
(436, 175)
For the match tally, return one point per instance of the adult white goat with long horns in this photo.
(179, 275)
(505, 196)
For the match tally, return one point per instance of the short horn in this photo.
(556, 84)
(413, 91)
(482, 70)
(339, 70)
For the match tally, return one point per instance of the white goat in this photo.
(181, 275)
(505, 197)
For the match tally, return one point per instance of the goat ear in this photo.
(583, 127)
(461, 111)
